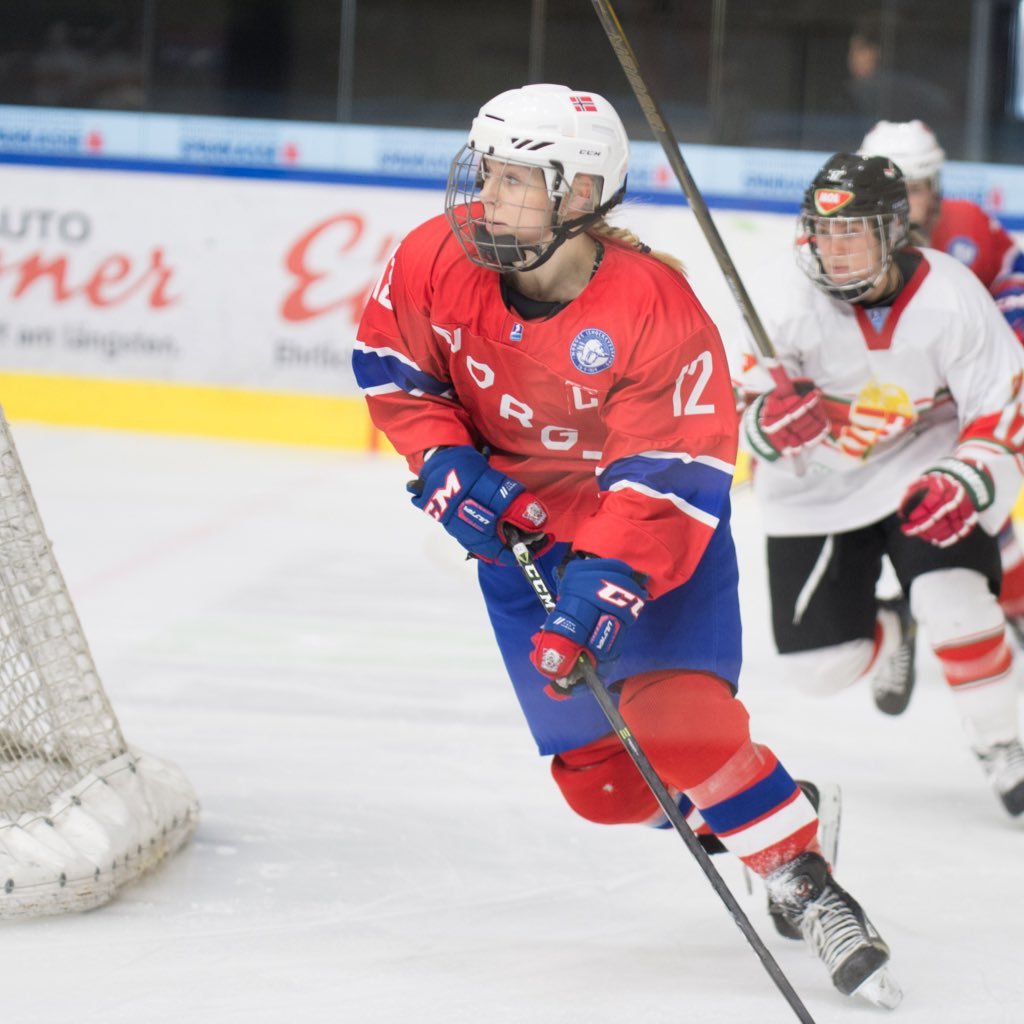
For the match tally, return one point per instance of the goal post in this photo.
(81, 812)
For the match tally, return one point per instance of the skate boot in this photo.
(836, 929)
(893, 681)
(827, 802)
(1004, 765)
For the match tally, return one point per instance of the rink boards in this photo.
(205, 277)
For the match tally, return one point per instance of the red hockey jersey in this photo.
(966, 231)
(617, 411)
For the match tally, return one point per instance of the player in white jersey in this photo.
(903, 440)
(964, 230)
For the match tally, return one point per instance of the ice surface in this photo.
(380, 843)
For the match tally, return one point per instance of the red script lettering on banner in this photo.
(316, 291)
(113, 281)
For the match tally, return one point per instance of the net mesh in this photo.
(56, 723)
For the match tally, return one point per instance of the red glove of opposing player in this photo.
(788, 423)
(941, 506)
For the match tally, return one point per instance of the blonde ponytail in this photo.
(626, 238)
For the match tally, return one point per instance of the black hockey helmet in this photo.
(851, 188)
(850, 185)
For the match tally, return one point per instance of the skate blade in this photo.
(880, 989)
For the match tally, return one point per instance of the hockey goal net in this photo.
(81, 812)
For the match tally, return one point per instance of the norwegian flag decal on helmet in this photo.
(584, 104)
(828, 200)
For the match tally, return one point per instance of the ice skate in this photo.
(836, 929)
(1004, 765)
(827, 801)
(893, 681)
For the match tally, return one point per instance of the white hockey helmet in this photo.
(563, 132)
(911, 145)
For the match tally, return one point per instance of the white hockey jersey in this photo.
(938, 373)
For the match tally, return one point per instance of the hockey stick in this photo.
(663, 133)
(671, 809)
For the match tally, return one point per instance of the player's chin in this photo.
(841, 277)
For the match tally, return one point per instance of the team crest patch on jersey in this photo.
(516, 334)
(964, 249)
(829, 200)
(879, 413)
(592, 351)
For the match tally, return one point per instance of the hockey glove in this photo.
(473, 503)
(786, 424)
(941, 506)
(598, 600)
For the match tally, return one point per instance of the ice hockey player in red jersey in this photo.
(908, 429)
(959, 227)
(542, 370)
(964, 230)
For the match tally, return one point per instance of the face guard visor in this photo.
(854, 217)
(848, 256)
(508, 215)
(542, 164)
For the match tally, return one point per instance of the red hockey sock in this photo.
(688, 723)
(976, 661)
(697, 737)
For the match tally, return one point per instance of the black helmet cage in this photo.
(853, 190)
(466, 214)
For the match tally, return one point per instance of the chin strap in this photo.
(508, 253)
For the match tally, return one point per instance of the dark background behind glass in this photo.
(730, 72)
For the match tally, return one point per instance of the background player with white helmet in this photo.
(964, 230)
(544, 373)
(909, 426)
(957, 226)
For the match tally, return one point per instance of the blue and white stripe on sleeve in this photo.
(696, 485)
(381, 371)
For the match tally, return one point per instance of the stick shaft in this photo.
(664, 798)
(663, 133)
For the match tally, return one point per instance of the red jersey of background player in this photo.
(965, 231)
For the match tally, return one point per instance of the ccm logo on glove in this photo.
(941, 506)
(474, 503)
(598, 600)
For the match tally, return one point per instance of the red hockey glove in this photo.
(598, 600)
(786, 424)
(941, 506)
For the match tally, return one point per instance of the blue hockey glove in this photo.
(598, 600)
(474, 503)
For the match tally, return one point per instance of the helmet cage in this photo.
(862, 267)
(562, 132)
(466, 212)
(852, 197)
